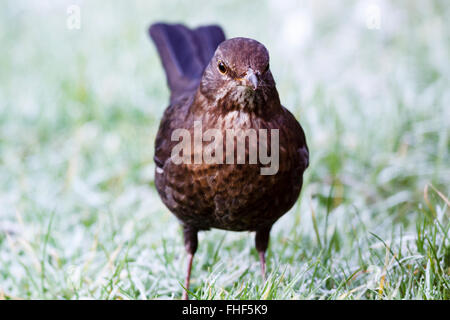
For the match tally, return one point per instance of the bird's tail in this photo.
(185, 52)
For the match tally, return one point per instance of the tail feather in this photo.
(184, 52)
(208, 38)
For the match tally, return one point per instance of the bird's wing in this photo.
(176, 116)
(185, 53)
(297, 137)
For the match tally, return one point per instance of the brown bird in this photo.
(224, 88)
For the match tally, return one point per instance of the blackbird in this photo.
(224, 86)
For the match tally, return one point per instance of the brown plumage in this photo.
(230, 87)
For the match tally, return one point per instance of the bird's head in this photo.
(238, 75)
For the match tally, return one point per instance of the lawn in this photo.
(79, 108)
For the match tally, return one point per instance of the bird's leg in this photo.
(190, 243)
(261, 243)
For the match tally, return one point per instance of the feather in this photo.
(185, 53)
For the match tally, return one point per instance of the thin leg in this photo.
(261, 243)
(190, 243)
(262, 261)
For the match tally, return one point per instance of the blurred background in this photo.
(80, 103)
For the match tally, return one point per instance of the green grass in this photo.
(79, 214)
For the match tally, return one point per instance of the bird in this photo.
(224, 85)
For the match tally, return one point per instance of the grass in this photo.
(79, 110)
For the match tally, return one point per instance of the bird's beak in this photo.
(251, 79)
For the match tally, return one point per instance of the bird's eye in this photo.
(222, 67)
(266, 68)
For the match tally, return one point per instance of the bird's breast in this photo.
(230, 192)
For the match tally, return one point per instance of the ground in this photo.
(79, 109)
